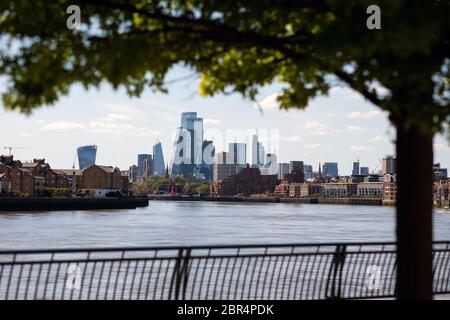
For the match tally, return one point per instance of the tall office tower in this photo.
(238, 154)
(389, 165)
(283, 168)
(257, 152)
(308, 171)
(187, 150)
(133, 173)
(355, 170)
(364, 171)
(142, 164)
(86, 156)
(271, 166)
(223, 166)
(295, 163)
(330, 170)
(148, 167)
(158, 159)
(262, 153)
(208, 151)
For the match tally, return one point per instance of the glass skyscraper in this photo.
(187, 150)
(158, 159)
(86, 156)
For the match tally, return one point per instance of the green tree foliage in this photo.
(234, 47)
(307, 46)
(203, 188)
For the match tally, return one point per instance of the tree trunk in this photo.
(414, 213)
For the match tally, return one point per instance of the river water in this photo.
(192, 223)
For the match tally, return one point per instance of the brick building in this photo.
(16, 179)
(370, 190)
(389, 188)
(441, 193)
(248, 181)
(296, 176)
(339, 189)
(309, 190)
(103, 179)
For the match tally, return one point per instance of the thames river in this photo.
(191, 223)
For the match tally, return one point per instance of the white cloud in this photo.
(269, 102)
(354, 128)
(210, 121)
(291, 139)
(113, 108)
(378, 139)
(312, 146)
(319, 129)
(365, 115)
(112, 117)
(62, 125)
(359, 148)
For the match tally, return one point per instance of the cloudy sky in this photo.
(341, 127)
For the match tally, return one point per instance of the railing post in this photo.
(335, 274)
(180, 274)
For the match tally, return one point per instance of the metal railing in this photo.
(283, 271)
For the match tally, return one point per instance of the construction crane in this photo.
(10, 149)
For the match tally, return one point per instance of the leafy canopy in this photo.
(234, 46)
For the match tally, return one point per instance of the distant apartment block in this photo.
(439, 173)
(355, 170)
(370, 190)
(389, 188)
(364, 171)
(330, 170)
(223, 166)
(339, 190)
(388, 165)
(308, 171)
(283, 168)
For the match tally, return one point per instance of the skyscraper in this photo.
(86, 156)
(364, 171)
(208, 152)
(330, 169)
(271, 166)
(143, 163)
(238, 154)
(308, 171)
(158, 159)
(223, 166)
(187, 157)
(295, 163)
(283, 168)
(257, 152)
(355, 170)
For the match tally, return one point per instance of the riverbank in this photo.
(341, 201)
(57, 204)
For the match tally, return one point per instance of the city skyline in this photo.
(340, 128)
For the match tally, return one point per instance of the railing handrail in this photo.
(283, 270)
(204, 247)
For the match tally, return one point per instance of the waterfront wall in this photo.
(52, 204)
(348, 201)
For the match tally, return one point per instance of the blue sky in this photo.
(341, 127)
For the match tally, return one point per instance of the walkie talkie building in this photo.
(86, 156)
